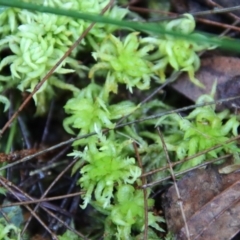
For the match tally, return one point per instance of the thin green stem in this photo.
(229, 44)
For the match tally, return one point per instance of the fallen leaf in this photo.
(217, 68)
(219, 219)
(230, 88)
(190, 186)
(210, 203)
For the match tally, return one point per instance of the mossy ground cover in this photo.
(94, 109)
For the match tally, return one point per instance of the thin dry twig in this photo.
(216, 11)
(176, 16)
(71, 140)
(180, 203)
(214, 4)
(34, 201)
(18, 190)
(233, 139)
(46, 192)
(176, 111)
(172, 15)
(64, 203)
(218, 24)
(145, 195)
(6, 185)
(186, 171)
(184, 160)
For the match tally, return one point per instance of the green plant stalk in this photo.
(229, 44)
(11, 137)
(9, 145)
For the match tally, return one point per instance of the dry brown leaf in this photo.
(218, 219)
(190, 187)
(217, 68)
(211, 205)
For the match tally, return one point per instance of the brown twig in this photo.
(10, 185)
(180, 203)
(218, 24)
(186, 171)
(206, 21)
(214, 4)
(185, 160)
(71, 140)
(5, 184)
(46, 192)
(145, 195)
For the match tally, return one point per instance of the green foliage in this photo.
(202, 129)
(3, 191)
(5, 102)
(69, 235)
(109, 165)
(124, 61)
(110, 175)
(128, 212)
(90, 110)
(9, 232)
(10, 229)
(38, 40)
(128, 62)
(106, 166)
(180, 54)
(14, 214)
(226, 43)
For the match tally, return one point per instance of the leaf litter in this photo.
(211, 205)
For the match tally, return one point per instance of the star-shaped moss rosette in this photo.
(107, 166)
(89, 110)
(124, 61)
(202, 129)
(180, 54)
(128, 212)
(107, 180)
(34, 55)
(99, 31)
